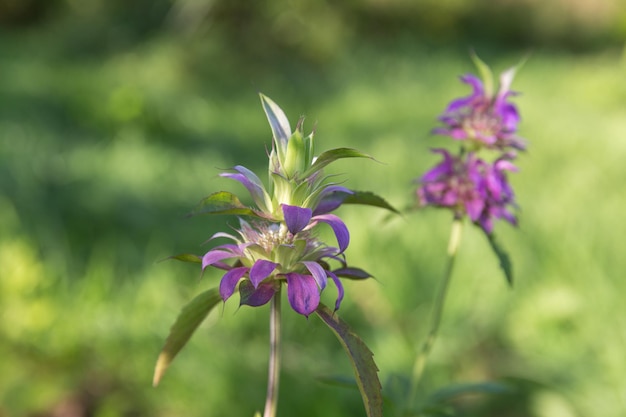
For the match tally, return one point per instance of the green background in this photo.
(117, 117)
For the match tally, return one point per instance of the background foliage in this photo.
(115, 118)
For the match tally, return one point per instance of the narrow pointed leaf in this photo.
(277, 119)
(367, 198)
(332, 155)
(186, 324)
(503, 258)
(223, 202)
(352, 273)
(485, 73)
(362, 358)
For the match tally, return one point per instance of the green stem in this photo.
(271, 400)
(420, 360)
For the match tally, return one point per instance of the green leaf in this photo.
(503, 258)
(223, 202)
(352, 273)
(365, 369)
(485, 73)
(187, 257)
(332, 155)
(278, 121)
(369, 199)
(186, 324)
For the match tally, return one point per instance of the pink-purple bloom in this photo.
(484, 118)
(266, 254)
(485, 121)
(279, 245)
(470, 186)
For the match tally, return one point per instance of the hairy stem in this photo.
(420, 360)
(271, 400)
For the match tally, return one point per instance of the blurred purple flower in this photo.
(468, 185)
(484, 118)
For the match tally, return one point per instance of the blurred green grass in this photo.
(102, 154)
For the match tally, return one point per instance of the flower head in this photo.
(485, 118)
(470, 186)
(267, 254)
(280, 246)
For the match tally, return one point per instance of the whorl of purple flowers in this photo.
(280, 245)
(465, 183)
(486, 119)
(468, 185)
(267, 254)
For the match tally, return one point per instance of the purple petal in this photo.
(339, 285)
(296, 218)
(445, 167)
(331, 198)
(475, 82)
(338, 226)
(317, 272)
(505, 165)
(509, 217)
(450, 198)
(215, 255)
(474, 208)
(509, 116)
(302, 293)
(229, 281)
(487, 224)
(459, 103)
(477, 93)
(249, 180)
(261, 270)
(256, 297)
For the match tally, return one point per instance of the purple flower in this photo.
(484, 118)
(267, 254)
(280, 246)
(468, 185)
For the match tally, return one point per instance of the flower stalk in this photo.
(422, 356)
(273, 378)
